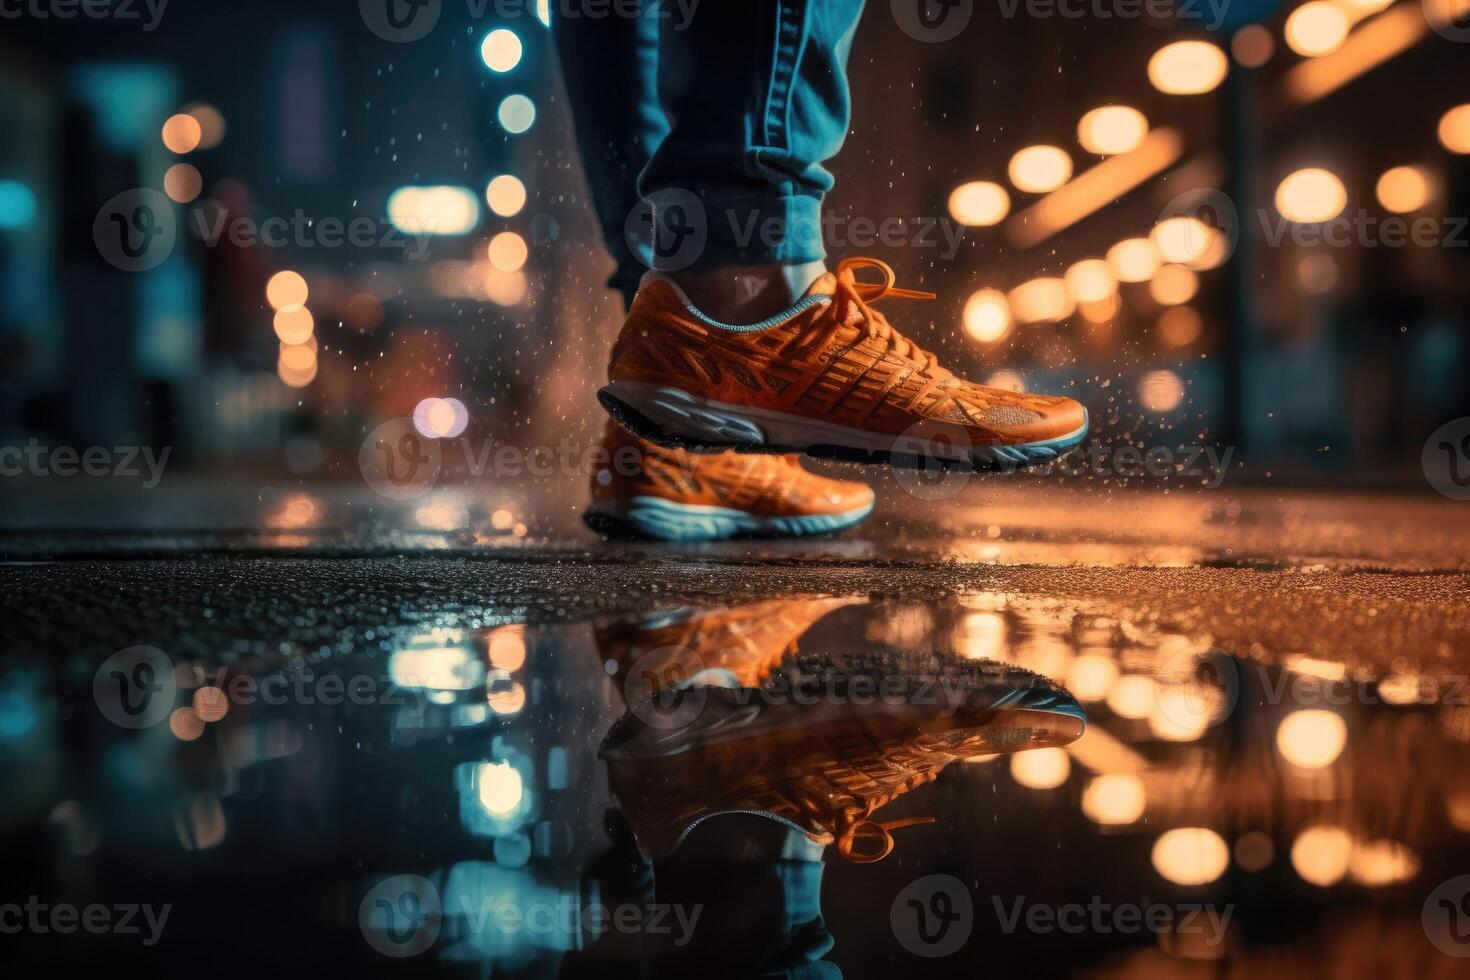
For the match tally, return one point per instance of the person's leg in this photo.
(610, 67)
(758, 100)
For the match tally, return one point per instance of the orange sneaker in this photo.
(827, 748)
(828, 377)
(736, 645)
(671, 495)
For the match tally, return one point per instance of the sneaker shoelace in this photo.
(855, 296)
(862, 840)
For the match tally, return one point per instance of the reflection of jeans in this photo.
(738, 103)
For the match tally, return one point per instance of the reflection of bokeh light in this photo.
(981, 636)
(295, 512)
(1187, 68)
(296, 378)
(1040, 768)
(508, 251)
(181, 133)
(182, 183)
(298, 357)
(1041, 300)
(1316, 28)
(1180, 326)
(286, 289)
(1100, 311)
(1112, 129)
(1134, 260)
(441, 516)
(1090, 281)
(210, 703)
(1160, 391)
(1311, 738)
(1190, 855)
(1091, 676)
(437, 210)
(1006, 381)
(1132, 696)
(1038, 169)
(1180, 714)
(294, 325)
(1400, 689)
(1114, 799)
(506, 195)
(436, 668)
(1252, 46)
(1454, 129)
(1321, 855)
(980, 203)
(1254, 851)
(1309, 195)
(1174, 284)
(211, 124)
(1382, 862)
(505, 288)
(500, 787)
(1317, 273)
(507, 700)
(1403, 189)
(440, 418)
(987, 315)
(501, 50)
(502, 519)
(185, 724)
(516, 113)
(507, 645)
(1182, 238)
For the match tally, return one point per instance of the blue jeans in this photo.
(733, 104)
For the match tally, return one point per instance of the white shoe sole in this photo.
(674, 417)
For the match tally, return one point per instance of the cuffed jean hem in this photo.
(784, 230)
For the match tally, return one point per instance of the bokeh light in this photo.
(1134, 260)
(1041, 300)
(181, 133)
(987, 315)
(1180, 326)
(508, 251)
(1182, 238)
(1190, 855)
(1187, 68)
(501, 50)
(1039, 169)
(1090, 281)
(286, 289)
(1252, 46)
(1160, 391)
(211, 123)
(516, 114)
(434, 210)
(294, 325)
(1112, 129)
(1403, 189)
(1321, 855)
(1040, 768)
(182, 183)
(1454, 129)
(1311, 738)
(1316, 28)
(979, 203)
(1173, 285)
(506, 195)
(1114, 799)
(1310, 195)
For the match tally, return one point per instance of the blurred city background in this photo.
(1225, 223)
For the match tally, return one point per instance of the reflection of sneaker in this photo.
(830, 376)
(737, 646)
(672, 495)
(822, 756)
